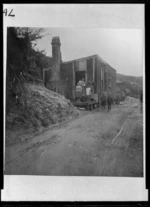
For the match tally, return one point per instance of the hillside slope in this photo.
(42, 109)
(133, 83)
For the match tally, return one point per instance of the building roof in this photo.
(78, 59)
(88, 57)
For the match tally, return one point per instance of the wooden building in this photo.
(90, 68)
(69, 73)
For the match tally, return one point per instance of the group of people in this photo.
(84, 91)
(106, 100)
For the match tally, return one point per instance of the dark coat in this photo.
(109, 100)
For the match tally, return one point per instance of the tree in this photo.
(23, 61)
(20, 49)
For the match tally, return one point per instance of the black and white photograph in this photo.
(69, 110)
(74, 101)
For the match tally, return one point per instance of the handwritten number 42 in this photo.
(8, 13)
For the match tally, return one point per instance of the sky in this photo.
(121, 48)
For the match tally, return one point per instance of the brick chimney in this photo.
(56, 56)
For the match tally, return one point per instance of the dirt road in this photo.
(97, 143)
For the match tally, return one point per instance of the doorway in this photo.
(79, 75)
